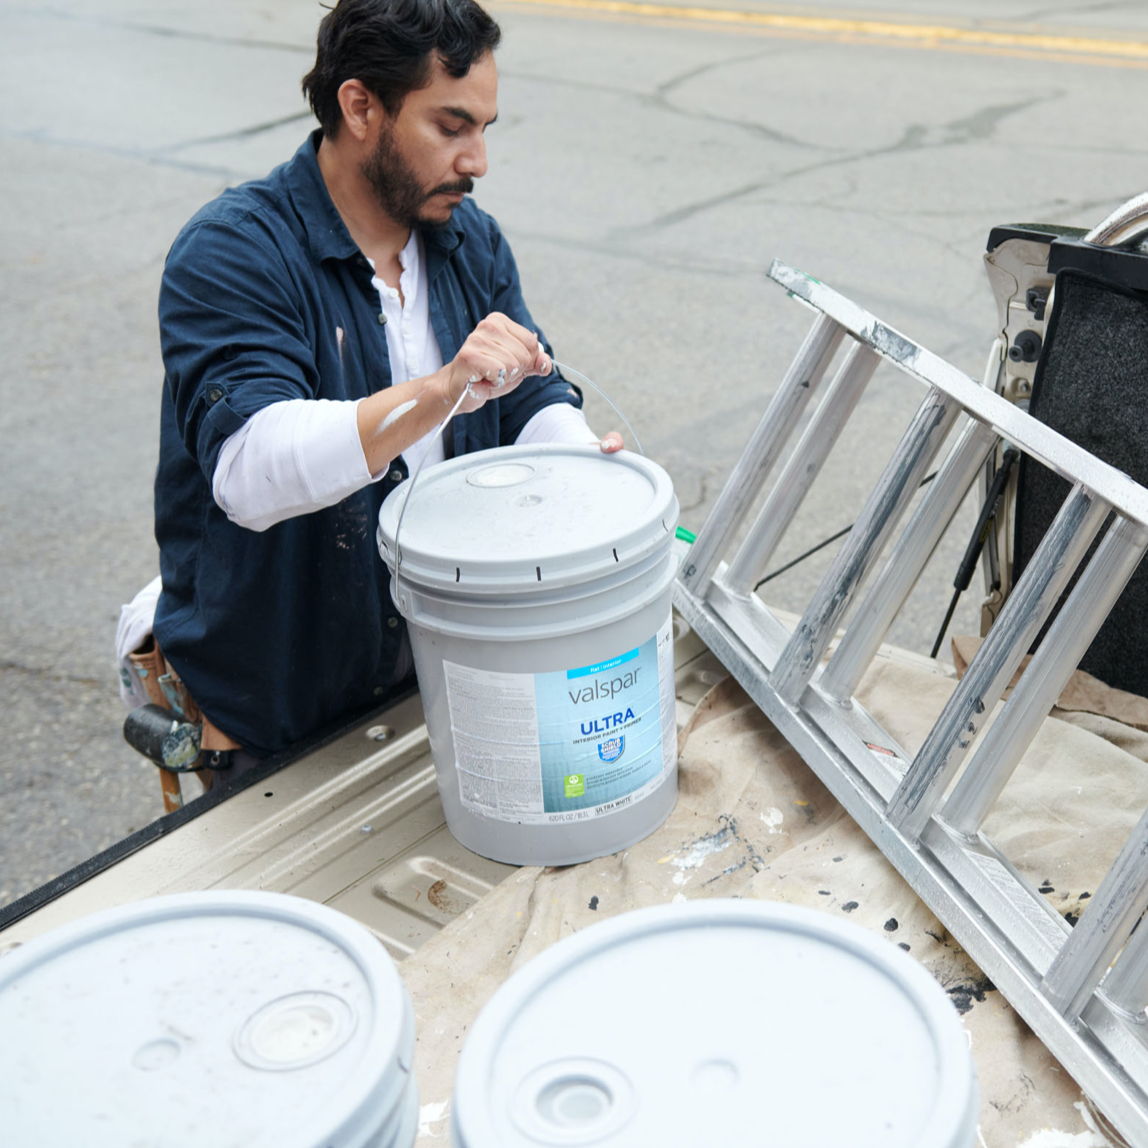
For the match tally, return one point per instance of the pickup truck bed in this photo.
(357, 824)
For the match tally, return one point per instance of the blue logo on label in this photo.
(612, 748)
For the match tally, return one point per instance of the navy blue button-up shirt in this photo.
(279, 634)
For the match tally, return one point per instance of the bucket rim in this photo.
(369, 1097)
(494, 573)
(952, 1121)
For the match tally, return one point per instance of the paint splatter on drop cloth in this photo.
(773, 818)
(693, 856)
(432, 1114)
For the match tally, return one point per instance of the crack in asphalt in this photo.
(238, 134)
(49, 675)
(157, 30)
(980, 125)
(156, 158)
(1104, 6)
(659, 101)
(717, 267)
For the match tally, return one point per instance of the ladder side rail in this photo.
(879, 517)
(1046, 445)
(1025, 610)
(1055, 661)
(756, 461)
(915, 547)
(801, 469)
(1118, 1086)
(1117, 905)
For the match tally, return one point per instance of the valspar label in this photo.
(565, 746)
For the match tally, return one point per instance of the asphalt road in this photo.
(646, 167)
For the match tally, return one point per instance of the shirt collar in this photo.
(327, 234)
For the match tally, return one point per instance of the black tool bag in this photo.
(1091, 385)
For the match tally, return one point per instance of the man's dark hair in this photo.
(388, 45)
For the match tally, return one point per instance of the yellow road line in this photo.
(919, 35)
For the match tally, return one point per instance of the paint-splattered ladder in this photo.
(1082, 990)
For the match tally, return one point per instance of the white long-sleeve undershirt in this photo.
(300, 455)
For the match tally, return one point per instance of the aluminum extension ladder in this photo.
(1083, 990)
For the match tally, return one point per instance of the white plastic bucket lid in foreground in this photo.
(718, 1023)
(221, 1018)
(536, 582)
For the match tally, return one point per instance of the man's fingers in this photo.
(481, 368)
(517, 356)
(502, 352)
(507, 332)
(612, 442)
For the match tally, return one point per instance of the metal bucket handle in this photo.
(442, 427)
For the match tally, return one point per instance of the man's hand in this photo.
(611, 442)
(497, 355)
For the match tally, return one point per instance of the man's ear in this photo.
(360, 106)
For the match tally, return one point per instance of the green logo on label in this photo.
(575, 784)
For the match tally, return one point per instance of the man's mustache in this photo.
(462, 186)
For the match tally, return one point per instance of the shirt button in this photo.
(396, 476)
(382, 319)
(215, 394)
(392, 622)
(380, 690)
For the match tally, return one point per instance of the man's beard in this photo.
(397, 187)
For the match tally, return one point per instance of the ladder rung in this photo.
(1030, 603)
(913, 550)
(751, 469)
(1126, 986)
(803, 467)
(896, 486)
(1103, 928)
(1055, 661)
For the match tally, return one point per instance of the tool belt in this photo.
(171, 729)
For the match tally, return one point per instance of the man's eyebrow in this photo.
(466, 116)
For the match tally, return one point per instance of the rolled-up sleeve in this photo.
(518, 408)
(233, 337)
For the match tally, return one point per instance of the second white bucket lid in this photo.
(529, 518)
(224, 1019)
(718, 1023)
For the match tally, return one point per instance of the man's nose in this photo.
(472, 160)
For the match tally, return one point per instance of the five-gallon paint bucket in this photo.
(535, 582)
(718, 1023)
(222, 1019)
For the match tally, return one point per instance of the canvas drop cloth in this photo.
(753, 821)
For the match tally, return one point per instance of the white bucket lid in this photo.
(206, 1019)
(718, 1023)
(529, 518)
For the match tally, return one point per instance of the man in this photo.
(316, 327)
